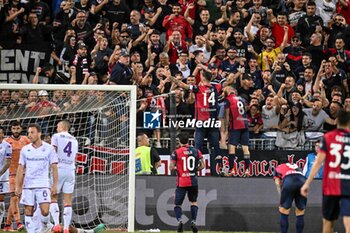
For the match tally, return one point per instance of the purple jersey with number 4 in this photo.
(67, 147)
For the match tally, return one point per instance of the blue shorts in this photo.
(239, 136)
(333, 205)
(291, 191)
(180, 193)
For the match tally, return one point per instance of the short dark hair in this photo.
(2, 128)
(15, 123)
(311, 3)
(38, 127)
(310, 68)
(337, 103)
(183, 138)
(197, 52)
(207, 75)
(307, 54)
(343, 117)
(283, 13)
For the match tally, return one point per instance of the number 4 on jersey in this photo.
(68, 149)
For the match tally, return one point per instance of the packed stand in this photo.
(289, 61)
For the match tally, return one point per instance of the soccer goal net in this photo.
(103, 119)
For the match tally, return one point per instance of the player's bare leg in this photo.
(28, 218)
(328, 226)
(55, 213)
(223, 134)
(2, 207)
(67, 213)
(346, 220)
(246, 157)
(13, 212)
(45, 215)
(157, 135)
(284, 223)
(8, 225)
(194, 210)
(16, 213)
(299, 224)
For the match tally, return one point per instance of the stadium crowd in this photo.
(289, 59)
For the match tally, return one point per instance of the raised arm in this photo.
(36, 76)
(285, 38)
(187, 14)
(249, 28)
(233, 77)
(100, 6)
(179, 83)
(223, 17)
(153, 20)
(270, 17)
(13, 16)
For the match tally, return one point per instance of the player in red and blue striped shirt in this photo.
(334, 153)
(187, 161)
(288, 179)
(236, 115)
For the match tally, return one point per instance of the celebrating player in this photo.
(5, 157)
(206, 108)
(66, 147)
(186, 161)
(334, 151)
(235, 114)
(36, 159)
(288, 179)
(17, 141)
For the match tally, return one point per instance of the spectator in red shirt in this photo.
(277, 26)
(177, 22)
(175, 46)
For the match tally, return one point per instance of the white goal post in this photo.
(119, 108)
